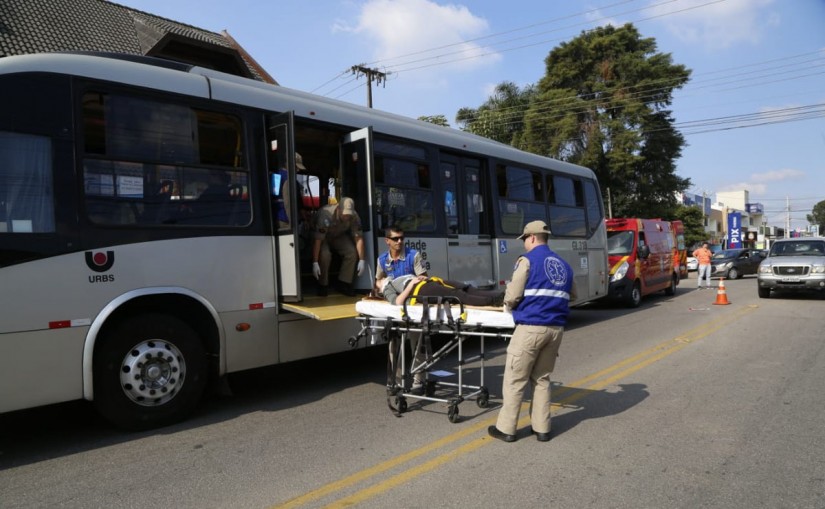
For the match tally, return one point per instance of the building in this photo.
(719, 214)
(42, 26)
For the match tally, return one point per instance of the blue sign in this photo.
(502, 246)
(734, 230)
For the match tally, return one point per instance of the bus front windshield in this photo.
(619, 243)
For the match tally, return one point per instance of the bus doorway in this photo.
(281, 176)
(469, 245)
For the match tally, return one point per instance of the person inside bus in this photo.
(397, 290)
(281, 194)
(338, 227)
(214, 204)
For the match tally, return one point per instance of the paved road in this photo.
(680, 403)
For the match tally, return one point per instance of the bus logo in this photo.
(100, 261)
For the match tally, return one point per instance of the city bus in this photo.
(141, 251)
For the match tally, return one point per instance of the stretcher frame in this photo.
(437, 318)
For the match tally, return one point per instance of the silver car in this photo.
(796, 264)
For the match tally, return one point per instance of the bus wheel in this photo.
(671, 290)
(149, 371)
(635, 299)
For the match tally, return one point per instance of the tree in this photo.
(435, 119)
(500, 117)
(603, 104)
(817, 216)
(694, 221)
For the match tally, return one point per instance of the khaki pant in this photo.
(345, 247)
(531, 356)
(419, 354)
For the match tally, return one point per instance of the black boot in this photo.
(345, 288)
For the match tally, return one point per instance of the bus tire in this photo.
(149, 371)
(635, 298)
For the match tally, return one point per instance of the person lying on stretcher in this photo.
(396, 290)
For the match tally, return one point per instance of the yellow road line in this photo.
(635, 363)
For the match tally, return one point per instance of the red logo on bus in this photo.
(100, 261)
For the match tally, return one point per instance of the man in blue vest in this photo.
(400, 260)
(539, 296)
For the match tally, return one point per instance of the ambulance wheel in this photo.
(149, 370)
(452, 412)
(671, 290)
(635, 299)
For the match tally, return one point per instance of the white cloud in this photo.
(601, 20)
(718, 25)
(778, 175)
(763, 182)
(400, 29)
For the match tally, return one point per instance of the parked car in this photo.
(794, 264)
(735, 263)
(692, 264)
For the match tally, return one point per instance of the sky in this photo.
(753, 113)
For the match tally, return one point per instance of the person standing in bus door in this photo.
(703, 255)
(281, 194)
(338, 226)
(539, 296)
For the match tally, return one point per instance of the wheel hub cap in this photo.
(152, 373)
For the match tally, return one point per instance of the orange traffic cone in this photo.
(721, 295)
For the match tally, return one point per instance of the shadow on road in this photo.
(587, 404)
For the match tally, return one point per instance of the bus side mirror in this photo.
(644, 251)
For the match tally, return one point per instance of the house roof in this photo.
(42, 26)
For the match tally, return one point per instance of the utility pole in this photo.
(372, 75)
(788, 217)
(609, 205)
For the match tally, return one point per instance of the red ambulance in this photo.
(640, 256)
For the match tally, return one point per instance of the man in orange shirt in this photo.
(703, 255)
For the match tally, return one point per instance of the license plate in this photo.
(790, 279)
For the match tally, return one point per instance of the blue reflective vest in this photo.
(547, 292)
(403, 266)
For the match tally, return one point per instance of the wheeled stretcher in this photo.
(415, 325)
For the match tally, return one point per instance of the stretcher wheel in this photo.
(452, 412)
(401, 404)
(483, 399)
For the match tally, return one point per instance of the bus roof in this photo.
(207, 83)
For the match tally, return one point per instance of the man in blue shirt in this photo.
(539, 296)
(400, 260)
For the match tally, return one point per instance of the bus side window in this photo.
(26, 184)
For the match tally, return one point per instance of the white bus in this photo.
(124, 280)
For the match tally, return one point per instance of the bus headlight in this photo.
(620, 273)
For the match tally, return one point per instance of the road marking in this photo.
(574, 392)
